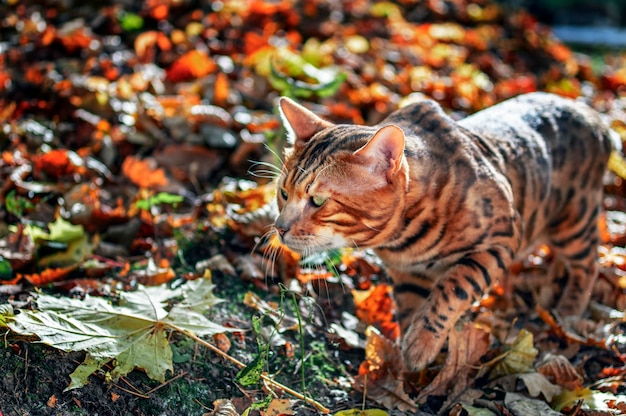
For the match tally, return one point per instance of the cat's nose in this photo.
(281, 231)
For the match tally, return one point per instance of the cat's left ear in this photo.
(301, 123)
(385, 148)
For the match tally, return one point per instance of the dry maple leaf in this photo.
(559, 370)
(465, 349)
(223, 407)
(379, 376)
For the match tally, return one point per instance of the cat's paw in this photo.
(420, 345)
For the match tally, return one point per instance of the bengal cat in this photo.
(447, 205)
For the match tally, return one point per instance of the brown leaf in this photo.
(465, 349)
(559, 370)
(222, 342)
(280, 407)
(188, 163)
(380, 375)
(537, 383)
(223, 407)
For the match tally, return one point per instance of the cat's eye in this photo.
(317, 200)
(283, 194)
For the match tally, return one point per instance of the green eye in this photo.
(283, 194)
(318, 201)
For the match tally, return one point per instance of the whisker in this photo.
(372, 228)
(270, 173)
(320, 171)
(273, 152)
(265, 174)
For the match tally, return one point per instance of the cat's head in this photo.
(341, 185)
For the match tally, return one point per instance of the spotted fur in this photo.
(446, 205)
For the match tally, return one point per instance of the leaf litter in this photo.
(126, 167)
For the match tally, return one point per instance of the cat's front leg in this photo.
(464, 283)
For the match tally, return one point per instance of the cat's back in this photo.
(564, 127)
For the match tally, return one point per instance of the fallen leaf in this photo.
(132, 332)
(375, 307)
(143, 173)
(193, 64)
(52, 402)
(465, 349)
(519, 358)
(593, 399)
(380, 375)
(559, 370)
(537, 384)
(359, 412)
(279, 407)
(520, 405)
(223, 407)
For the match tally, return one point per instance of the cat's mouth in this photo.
(307, 245)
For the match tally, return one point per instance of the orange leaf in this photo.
(57, 163)
(222, 89)
(146, 42)
(380, 375)
(376, 308)
(194, 64)
(222, 342)
(142, 173)
(160, 11)
(48, 275)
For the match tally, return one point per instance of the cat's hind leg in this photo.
(574, 237)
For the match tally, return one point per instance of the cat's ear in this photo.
(300, 122)
(385, 148)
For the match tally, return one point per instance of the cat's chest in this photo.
(427, 265)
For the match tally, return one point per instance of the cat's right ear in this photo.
(300, 122)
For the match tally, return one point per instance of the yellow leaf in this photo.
(519, 358)
(592, 399)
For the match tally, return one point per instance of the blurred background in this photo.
(584, 22)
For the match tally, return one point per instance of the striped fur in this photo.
(448, 206)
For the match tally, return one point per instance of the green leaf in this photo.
(152, 353)
(17, 204)
(6, 312)
(60, 231)
(130, 22)
(160, 198)
(298, 78)
(76, 251)
(65, 231)
(6, 271)
(251, 374)
(130, 334)
(80, 376)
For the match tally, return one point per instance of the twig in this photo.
(179, 375)
(266, 378)
(143, 396)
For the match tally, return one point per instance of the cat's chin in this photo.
(310, 249)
